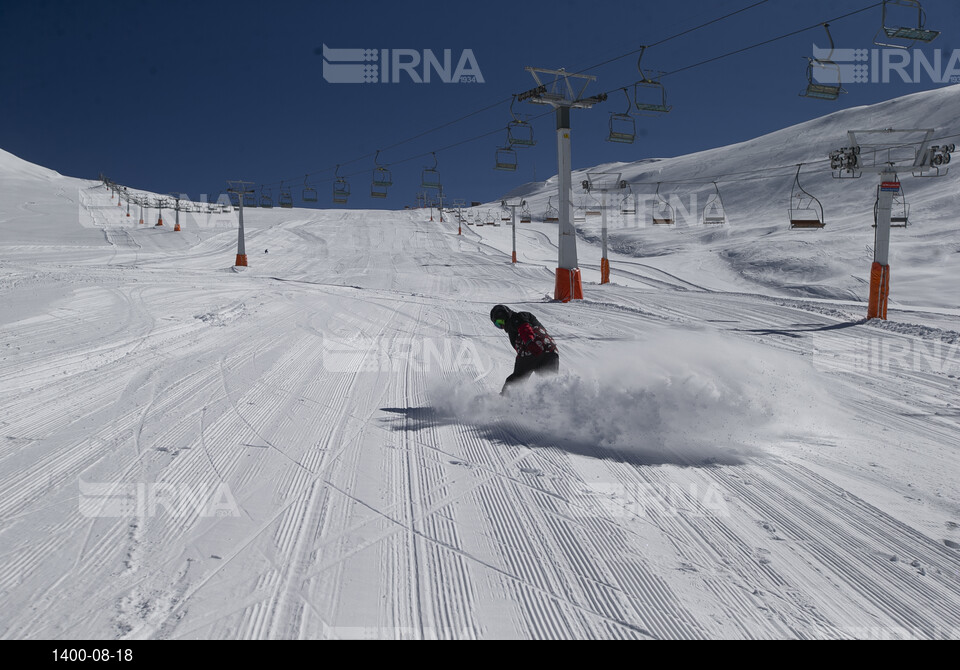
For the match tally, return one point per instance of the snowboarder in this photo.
(536, 350)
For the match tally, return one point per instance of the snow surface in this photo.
(314, 446)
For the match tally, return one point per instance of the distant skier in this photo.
(536, 350)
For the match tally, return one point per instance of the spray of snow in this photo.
(680, 397)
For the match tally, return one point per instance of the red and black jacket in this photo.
(528, 336)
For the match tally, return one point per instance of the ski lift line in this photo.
(550, 112)
(819, 24)
(671, 37)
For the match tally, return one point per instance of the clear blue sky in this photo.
(180, 96)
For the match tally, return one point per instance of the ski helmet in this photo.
(499, 312)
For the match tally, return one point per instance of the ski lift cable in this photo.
(447, 124)
(815, 26)
(508, 100)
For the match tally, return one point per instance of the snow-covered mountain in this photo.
(755, 179)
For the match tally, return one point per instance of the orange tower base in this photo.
(514, 256)
(568, 286)
(159, 223)
(604, 271)
(176, 227)
(241, 260)
(879, 291)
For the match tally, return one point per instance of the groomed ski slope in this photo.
(715, 461)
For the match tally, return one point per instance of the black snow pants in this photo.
(548, 363)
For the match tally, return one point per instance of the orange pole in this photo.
(604, 271)
(569, 286)
(879, 291)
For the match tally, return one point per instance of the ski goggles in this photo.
(500, 323)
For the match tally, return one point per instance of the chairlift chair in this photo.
(249, 200)
(382, 177)
(623, 128)
(341, 191)
(806, 211)
(266, 199)
(519, 132)
(506, 159)
(713, 212)
(490, 220)
(552, 214)
(525, 216)
(824, 80)
(429, 177)
(899, 209)
(580, 213)
(309, 193)
(649, 95)
(593, 208)
(911, 34)
(378, 191)
(341, 188)
(286, 198)
(668, 216)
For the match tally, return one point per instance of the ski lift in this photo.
(506, 159)
(823, 75)
(309, 194)
(713, 212)
(805, 211)
(593, 208)
(627, 207)
(286, 197)
(664, 209)
(266, 199)
(899, 208)
(519, 132)
(623, 128)
(382, 177)
(649, 95)
(525, 216)
(377, 191)
(430, 178)
(580, 213)
(341, 189)
(490, 219)
(552, 214)
(249, 199)
(911, 34)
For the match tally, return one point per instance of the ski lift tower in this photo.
(242, 189)
(882, 152)
(177, 198)
(564, 92)
(603, 183)
(512, 206)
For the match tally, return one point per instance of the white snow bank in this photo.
(681, 397)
